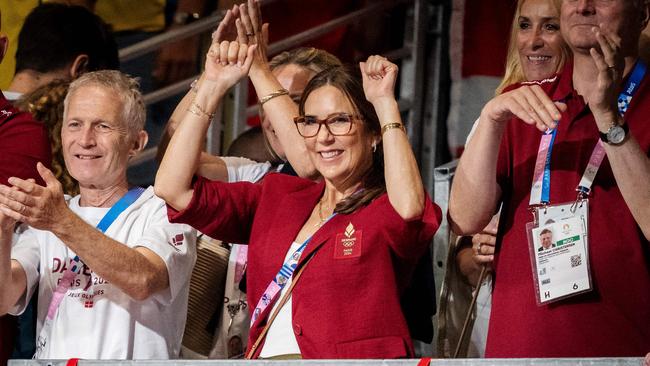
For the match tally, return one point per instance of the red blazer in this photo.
(347, 302)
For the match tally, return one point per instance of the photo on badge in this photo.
(559, 259)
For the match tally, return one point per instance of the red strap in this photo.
(424, 361)
(72, 362)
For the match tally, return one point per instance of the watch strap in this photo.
(603, 135)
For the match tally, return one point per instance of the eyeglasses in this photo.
(338, 124)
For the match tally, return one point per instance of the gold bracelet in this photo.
(270, 96)
(196, 110)
(391, 126)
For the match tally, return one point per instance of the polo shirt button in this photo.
(297, 329)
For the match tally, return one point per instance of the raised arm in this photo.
(403, 181)
(630, 164)
(226, 63)
(475, 193)
(209, 166)
(282, 109)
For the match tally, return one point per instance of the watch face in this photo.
(616, 135)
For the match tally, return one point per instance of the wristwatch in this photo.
(183, 18)
(616, 134)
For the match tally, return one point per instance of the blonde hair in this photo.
(313, 59)
(514, 73)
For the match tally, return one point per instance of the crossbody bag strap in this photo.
(283, 301)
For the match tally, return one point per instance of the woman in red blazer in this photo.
(328, 261)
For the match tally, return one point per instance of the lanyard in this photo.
(280, 280)
(75, 264)
(540, 190)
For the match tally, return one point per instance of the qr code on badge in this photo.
(576, 260)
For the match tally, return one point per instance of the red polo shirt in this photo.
(23, 143)
(614, 318)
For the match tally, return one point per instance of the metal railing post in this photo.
(234, 115)
(225, 128)
(414, 125)
(215, 131)
(432, 94)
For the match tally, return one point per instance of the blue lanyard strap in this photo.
(280, 280)
(131, 196)
(75, 264)
(624, 99)
(631, 86)
(546, 181)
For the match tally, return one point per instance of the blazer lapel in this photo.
(296, 206)
(320, 237)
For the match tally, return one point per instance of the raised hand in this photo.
(42, 207)
(528, 103)
(227, 31)
(611, 66)
(251, 30)
(228, 62)
(379, 76)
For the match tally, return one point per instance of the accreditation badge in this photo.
(559, 252)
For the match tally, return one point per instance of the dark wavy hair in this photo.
(348, 81)
(46, 105)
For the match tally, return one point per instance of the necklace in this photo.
(320, 214)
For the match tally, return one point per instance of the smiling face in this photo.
(624, 18)
(539, 41)
(341, 160)
(95, 139)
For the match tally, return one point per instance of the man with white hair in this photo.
(592, 141)
(113, 273)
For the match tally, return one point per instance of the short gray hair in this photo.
(126, 87)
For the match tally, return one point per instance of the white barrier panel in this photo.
(632, 361)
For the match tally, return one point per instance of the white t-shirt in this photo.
(280, 339)
(245, 170)
(96, 320)
(239, 170)
(12, 96)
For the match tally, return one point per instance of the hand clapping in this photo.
(39, 206)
